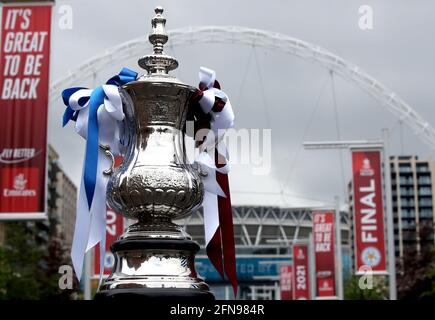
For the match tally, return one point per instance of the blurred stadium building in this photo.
(264, 237)
(61, 199)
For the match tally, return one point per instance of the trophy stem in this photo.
(155, 229)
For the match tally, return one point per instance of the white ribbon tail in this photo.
(81, 232)
(98, 213)
(212, 190)
(211, 215)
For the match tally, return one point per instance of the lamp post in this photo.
(338, 250)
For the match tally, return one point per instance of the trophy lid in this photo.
(158, 64)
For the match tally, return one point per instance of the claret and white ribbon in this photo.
(98, 117)
(213, 160)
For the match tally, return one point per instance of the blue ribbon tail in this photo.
(67, 116)
(91, 159)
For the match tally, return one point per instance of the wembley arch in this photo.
(265, 39)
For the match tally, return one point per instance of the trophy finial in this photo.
(158, 36)
(158, 62)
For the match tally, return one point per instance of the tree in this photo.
(353, 290)
(416, 270)
(5, 273)
(19, 264)
(430, 294)
(28, 269)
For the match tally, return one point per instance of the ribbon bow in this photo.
(98, 115)
(212, 110)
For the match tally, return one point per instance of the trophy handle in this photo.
(106, 149)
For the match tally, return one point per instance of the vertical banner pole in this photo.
(390, 225)
(88, 275)
(339, 261)
(311, 267)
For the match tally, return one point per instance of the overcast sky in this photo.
(271, 89)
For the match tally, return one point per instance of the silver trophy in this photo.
(155, 185)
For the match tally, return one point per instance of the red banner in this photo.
(285, 281)
(24, 72)
(323, 232)
(301, 280)
(114, 229)
(368, 211)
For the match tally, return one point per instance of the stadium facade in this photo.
(264, 237)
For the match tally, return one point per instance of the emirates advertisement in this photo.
(368, 211)
(301, 282)
(323, 232)
(114, 229)
(24, 68)
(285, 281)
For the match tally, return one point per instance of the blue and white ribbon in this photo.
(98, 117)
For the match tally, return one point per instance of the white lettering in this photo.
(26, 19)
(368, 237)
(301, 281)
(19, 193)
(370, 188)
(323, 247)
(26, 42)
(32, 65)
(368, 216)
(368, 200)
(11, 18)
(20, 88)
(12, 64)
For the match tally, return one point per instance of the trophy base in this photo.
(150, 268)
(155, 294)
